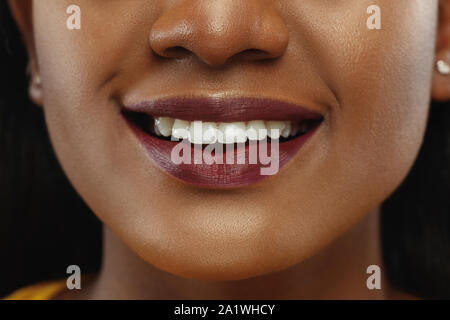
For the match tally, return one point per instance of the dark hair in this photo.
(45, 226)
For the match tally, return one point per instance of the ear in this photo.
(23, 15)
(441, 81)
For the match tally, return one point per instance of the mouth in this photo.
(221, 142)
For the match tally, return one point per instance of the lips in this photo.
(223, 162)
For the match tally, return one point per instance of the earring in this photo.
(443, 67)
(35, 78)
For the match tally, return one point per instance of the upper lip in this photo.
(219, 109)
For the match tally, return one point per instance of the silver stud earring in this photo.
(443, 67)
(37, 80)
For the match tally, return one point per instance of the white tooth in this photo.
(256, 130)
(294, 129)
(196, 132)
(287, 130)
(274, 133)
(163, 125)
(221, 132)
(180, 129)
(155, 127)
(239, 131)
(232, 132)
(209, 132)
(274, 128)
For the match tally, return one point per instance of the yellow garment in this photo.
(40, 291)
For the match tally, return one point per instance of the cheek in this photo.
(87, 131)
(382, 79)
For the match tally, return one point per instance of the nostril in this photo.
(253, 51)
(176, 52)
(252, 54)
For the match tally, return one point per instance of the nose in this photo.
(217, 30)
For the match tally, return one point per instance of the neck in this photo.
(337, 272)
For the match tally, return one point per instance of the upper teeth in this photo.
(199, 132)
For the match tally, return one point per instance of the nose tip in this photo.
(217, 31)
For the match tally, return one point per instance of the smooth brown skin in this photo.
(308, 232)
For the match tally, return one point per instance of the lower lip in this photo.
(216, 175)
